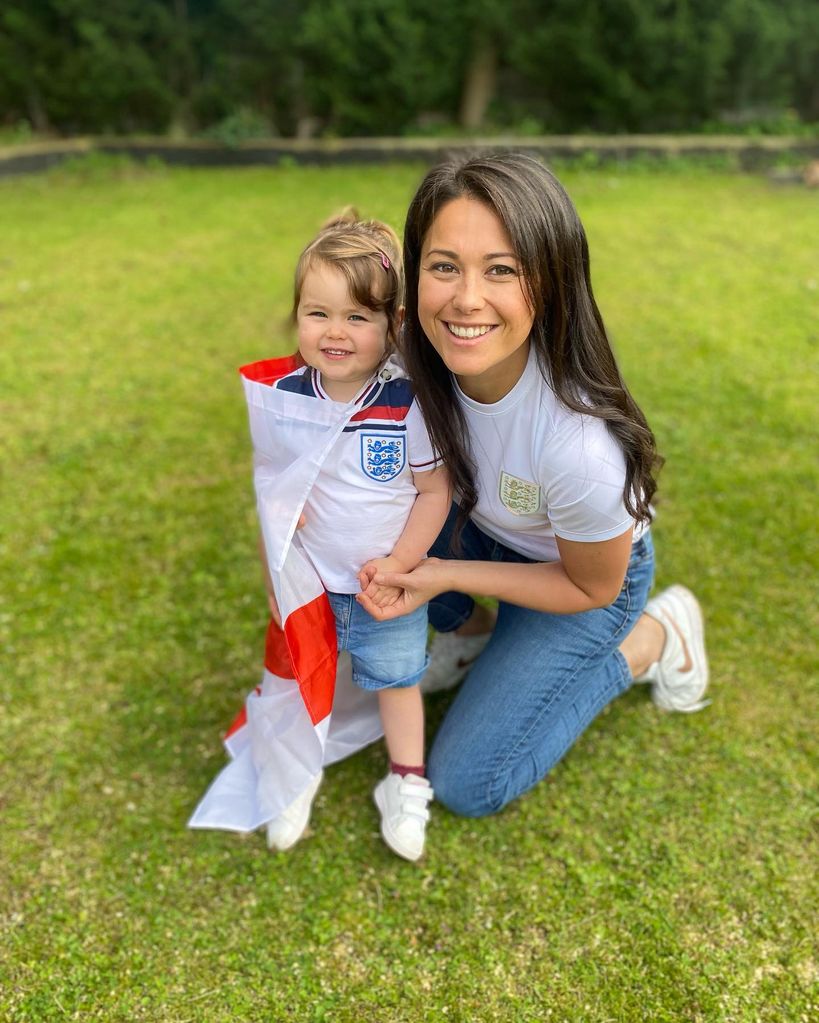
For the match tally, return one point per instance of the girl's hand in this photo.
(380, 594)
(417, 587)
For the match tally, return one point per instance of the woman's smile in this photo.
(468, 333)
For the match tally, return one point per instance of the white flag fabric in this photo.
(307, 712)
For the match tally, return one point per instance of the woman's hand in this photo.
(380, 594)
(415, 588)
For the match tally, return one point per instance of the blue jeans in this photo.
(385, 655)
(539, 683)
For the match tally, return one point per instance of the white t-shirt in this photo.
(544, 470)
(361, 500)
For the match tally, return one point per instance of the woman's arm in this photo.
(588, 575)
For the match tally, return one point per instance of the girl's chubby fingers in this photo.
(381, 612)
(397, 580)
(365, 577)
(370, 606)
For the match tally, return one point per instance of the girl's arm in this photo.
(588, 575)
(425, 521)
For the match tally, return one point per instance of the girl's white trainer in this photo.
(403, 805)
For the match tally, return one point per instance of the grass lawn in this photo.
(665, 870)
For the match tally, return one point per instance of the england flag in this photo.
(307, 712)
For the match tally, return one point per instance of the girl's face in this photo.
(344, 341)
(472, 301)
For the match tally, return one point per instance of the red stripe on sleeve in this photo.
(397, 413)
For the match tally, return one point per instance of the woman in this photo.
(553, 463)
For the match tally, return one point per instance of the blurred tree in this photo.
(251, 60)
(372, 66)
(82, 67)
(29, 48)
(487, 27)
(392, 66)
(630, 65)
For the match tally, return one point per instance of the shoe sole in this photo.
(685, 609)
(386, 832)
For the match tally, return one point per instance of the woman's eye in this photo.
(500, 270)
(443, 268)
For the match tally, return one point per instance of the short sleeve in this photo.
(586, 473)
(421, 454)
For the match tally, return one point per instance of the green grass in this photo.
(664, 871)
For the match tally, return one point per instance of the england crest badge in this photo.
(382, 455)
(521, 497)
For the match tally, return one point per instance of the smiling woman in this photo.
(553, 465)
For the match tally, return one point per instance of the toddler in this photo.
(378, 503)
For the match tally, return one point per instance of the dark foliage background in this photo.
(252, 68)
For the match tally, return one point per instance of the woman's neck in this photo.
(496, 382)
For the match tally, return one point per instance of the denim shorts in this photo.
(385, 655)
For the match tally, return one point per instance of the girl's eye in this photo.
(317, 312)
(358, 316)
(500, 270)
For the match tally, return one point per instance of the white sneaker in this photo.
(450, 658)
(678, 682)
(286, 829)
(402, 803)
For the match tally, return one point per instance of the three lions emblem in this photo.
(521, 497)
(382, 455)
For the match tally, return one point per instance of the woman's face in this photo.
(472, 301)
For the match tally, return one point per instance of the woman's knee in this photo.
(462, 788)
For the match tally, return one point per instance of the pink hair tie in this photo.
(384, 261)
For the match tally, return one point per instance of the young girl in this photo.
(553, 462)
(379, 502)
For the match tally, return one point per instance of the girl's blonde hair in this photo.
(368, 253)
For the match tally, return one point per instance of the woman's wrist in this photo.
(443, 573)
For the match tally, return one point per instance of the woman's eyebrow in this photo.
(487, 257)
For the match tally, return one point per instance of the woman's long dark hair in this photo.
(568, 335)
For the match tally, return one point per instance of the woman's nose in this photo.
(468, 295)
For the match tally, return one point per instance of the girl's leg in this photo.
(537, 686)
(402, 715)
